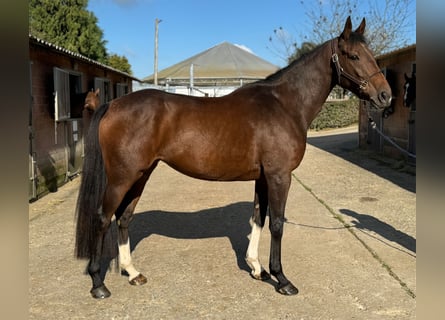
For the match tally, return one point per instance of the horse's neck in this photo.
(308, 82)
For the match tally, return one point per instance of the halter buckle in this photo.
(363, 84)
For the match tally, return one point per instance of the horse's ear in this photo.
(347, 30)
(97, 92)
(361, 27)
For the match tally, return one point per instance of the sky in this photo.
(189, 27)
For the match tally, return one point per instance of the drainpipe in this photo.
(32, 155)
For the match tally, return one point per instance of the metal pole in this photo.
(157, 21)
(191, 79)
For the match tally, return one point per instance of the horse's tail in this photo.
(91, 191)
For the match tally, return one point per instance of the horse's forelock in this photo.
(357, 37)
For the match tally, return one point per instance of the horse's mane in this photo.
(299, 60)
(354, 37)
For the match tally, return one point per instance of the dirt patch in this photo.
(189, 238)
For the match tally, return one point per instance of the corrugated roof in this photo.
(396, 51)
(77, 55)
(223, 62)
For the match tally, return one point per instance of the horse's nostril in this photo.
(385, 97)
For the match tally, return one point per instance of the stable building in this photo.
(59, 81)
(397, 123)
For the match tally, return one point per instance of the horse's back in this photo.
(222, 138)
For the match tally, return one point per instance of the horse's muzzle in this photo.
(385, 98)
(382, 100)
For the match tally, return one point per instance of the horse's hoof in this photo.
(263, 276)
(138, 280)
(287, 290)
(101, 292)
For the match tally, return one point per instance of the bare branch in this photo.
(388, 23)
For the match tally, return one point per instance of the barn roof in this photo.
(225, 63)
(407, 48)
(76, 55)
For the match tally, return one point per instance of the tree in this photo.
(283, 44)
(388, 22)
(119, 62)
(301, 51)
(67, 23)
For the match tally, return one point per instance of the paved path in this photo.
(349, 246)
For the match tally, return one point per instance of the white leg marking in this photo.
(405, 95)
(125, 260)
(252, 251)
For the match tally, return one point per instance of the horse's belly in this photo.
(216, 168)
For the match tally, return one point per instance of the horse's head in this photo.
(357, 69)
(92, 100)
(409, 90)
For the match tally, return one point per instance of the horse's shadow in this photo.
(367, 222)
(231, 221)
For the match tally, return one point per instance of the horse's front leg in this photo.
(278, 186)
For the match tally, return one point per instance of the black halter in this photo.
(362, 83)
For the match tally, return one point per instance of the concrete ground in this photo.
(349, 246)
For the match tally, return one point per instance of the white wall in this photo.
(196, 91)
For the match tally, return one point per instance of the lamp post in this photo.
(157, 21)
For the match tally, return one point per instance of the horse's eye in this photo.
(354, 57)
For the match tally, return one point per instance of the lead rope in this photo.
(374, 127)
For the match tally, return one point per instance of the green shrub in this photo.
(337, 114)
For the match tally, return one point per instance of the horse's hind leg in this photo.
(257, 222)
(112, 198)
(125, 261)
(123, 220)
(98, 290)
(114, 195)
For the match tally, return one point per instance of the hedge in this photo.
(337, 114)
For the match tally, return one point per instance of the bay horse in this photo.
(257, 132)
(92, 100)
(409, 87)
